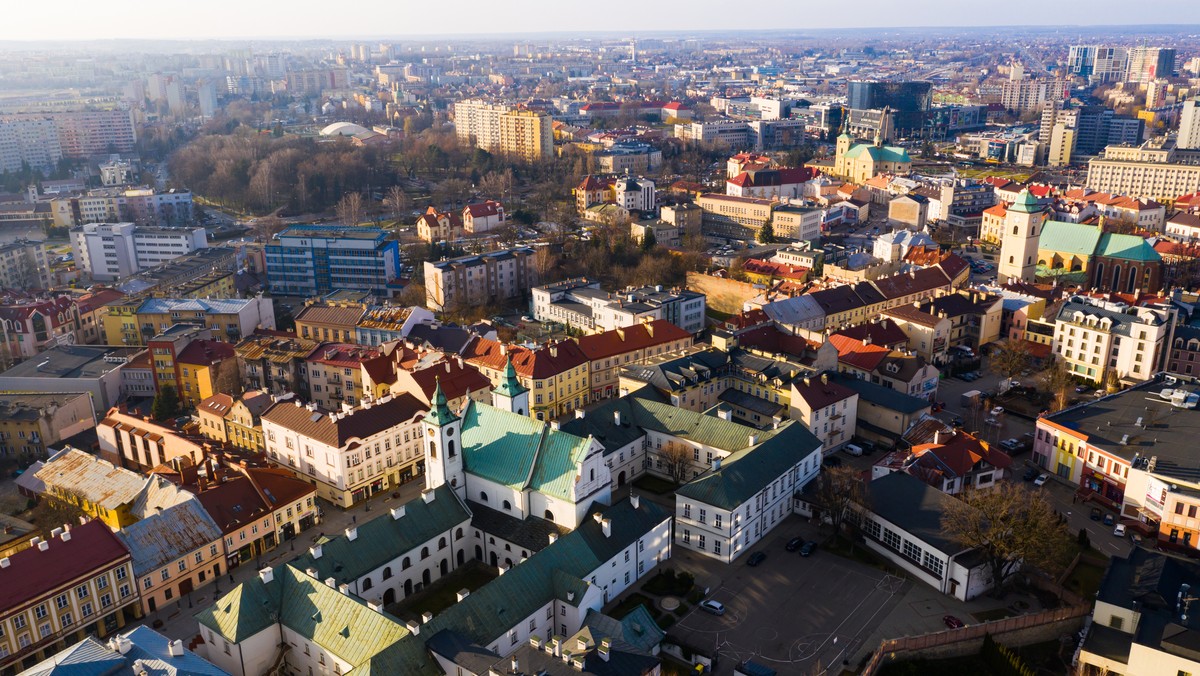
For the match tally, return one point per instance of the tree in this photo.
(450, 190)
(544, 262)
(397, 201)
(1058, 383)
(676, 458)
(649, 241)
(350, 209)
(1011, 527)
(838, 489)
(1112, 381)
(1010, 358)
(496, 184)
(166, 403)
(766, 234)
(267, 227)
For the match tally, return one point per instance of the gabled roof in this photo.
(749, 470)
(166, 536)
(538, 364)
(1126, 247)
(631, 338)
(98, 481)
(1072, 238)
(359, 423)
(334, 315)
(31, 572)
(205, 352)
(884, 332)
(914, 506)
(858, 354)
(956, 457)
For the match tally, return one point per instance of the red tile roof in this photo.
(217, 404)
(32, 573)
(858, 354)
(483, 209)
(457, 379)
(538, 364)
(885, 333)
(956, 456)
(359, 423)
(783, 270)
(639, 337)
(205, 352)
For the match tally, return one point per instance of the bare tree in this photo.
(676, 458)
(544, 261)
(497, 184)
(838, 489)
(450, 190)
(350, 209)
(1010, 358)
(266, 227)
(397, 201)
(1011, 527)
(1058, 383)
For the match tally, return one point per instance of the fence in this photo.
(890, 647)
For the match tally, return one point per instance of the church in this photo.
(858, 162)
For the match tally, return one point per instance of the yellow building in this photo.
(185, 358)
(243, 423)
(97, 487)
(229, 318)
(555, 375)
(119, 322)
(31, 423)
(991, 228)
(212, 411)
(859, 162)
(527, 135)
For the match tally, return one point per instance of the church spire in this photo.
(440, 413)
(510, 386)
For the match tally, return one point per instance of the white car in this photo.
(1042, 478)
(714, 607)
(1119, 531)
(999, 410)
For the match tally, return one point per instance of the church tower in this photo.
(443, 445)
(510, 394)
(1019, 240)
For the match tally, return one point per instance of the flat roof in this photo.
(73, 361)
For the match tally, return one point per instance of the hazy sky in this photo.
(197, 19)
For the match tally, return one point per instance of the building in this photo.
(907, 102)
(1026, 95)
(75, 134)
(77, 583)
(628, 157)
(330, 320)
(31, 325)
(581, 304)
(174, 552)
(31, 424)
(483, 217)
(1098, 63)
(951, 462)
(1153, 170)
(861, 161)
(1184, 350)
(134, 321)
(1147, 64)
(517, 132)
(335, 374)
(28, 141)
(100, 489)
(1189, 126)
(611, 351)
(770, 182)
(124, 653)
(902, 520)
(384, 323)
(1094, 340)
(825, 407)
(727, 217)
(140, 205)
(1018, 249)
(490, 278)
(94, 369)
(112, 251)
(1140, 623)
(555, 378)
(311, 260)
(351, 455)
(313, 81)
(439, 226)
(275, 362)
(23, 265)
(128, 440)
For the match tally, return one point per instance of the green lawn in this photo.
(1089, 572)
(442, 594)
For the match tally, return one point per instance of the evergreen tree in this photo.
(166, 403)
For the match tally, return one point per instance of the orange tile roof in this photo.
(629, 339)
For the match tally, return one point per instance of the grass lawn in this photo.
(717, 314)
(654, 484)
(633, 601)
(442, 594)
(1089, 572)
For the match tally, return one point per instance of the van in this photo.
(854, 449)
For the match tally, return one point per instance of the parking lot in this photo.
(790, 612)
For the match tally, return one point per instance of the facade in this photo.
(1094, 340)
(330, 320)
(33, 326)
(611, 351)
(349, 456)
(32, 424)
(139, 205)
(335, 374)
(23, 265)
(174, 552)
(30, 141)
(859, 162)
(1023, 220)
(555, 376)
(581, 304)
(524, 134)
(311, 260)
(79, 582)
(129, 441)
(275, 363)
(41, 139)
(1151, 170)
(95, 369)
(382, 324)
(483, 217)
(489, 278)
(112, 251)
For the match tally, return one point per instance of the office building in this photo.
(311, 260)
(1189, 126)
(112, 251)
(1152, 169)
(1023, 96)
(1147, 64)
(140, 205)
(907, 101)
(1097, 63)
(581, 304)
(489, 278)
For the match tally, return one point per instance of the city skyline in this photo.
(226, 19)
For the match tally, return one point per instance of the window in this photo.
(1116, 622)
(40, 611)
(102, 582)
(703, 516)
(183, 566)
(19, 622)
(912, 551)
(165, 575)
(61, 601)
(717, 520)
(891, 539)
(106, 601)
(934, 564)
(86, 609)
(66, 620)
(81, 591)
(121, 571)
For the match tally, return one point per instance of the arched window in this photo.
(406, 563)
(367, 584)
(1133, 279)
(432, 449)
(441, 543)
(1011, 260)
(1014, 229)
(520, 411)
(1099, 274)
(450, 448)
(1116, 279)
(482, 496)
(458, 534)
(424, 553)
(549, 515)
(387, 573)
(507, 505)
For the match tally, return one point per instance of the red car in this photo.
(953, 622)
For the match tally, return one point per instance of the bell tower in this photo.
(443, 445)
(1019, 240)
(510, 394)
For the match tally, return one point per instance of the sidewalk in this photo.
(178, 618)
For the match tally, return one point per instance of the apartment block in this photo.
(581, 304)
(111, 251)
(481, 279)
(140, 205)
(1152, 170)
(500, 128)
(28, 141)
(1095, 340)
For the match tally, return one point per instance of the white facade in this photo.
(1093, 341)
(1189, 125)
(112, 251)
(926, 562)
(31, 141)
(583, 305)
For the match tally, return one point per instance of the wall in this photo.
(724, 295)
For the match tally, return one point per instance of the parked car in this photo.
(999, 410)
(1042, 478)
(958, 422)
(1099, 393)
(992, 421)
(711, 606)
(953, 622)
(794, 544)
(1014, 383)
(1031, 474)
(1095, 515)
(1080, 389)
(808, 548)
(756, 558)
(1119, 531)
(526, 318)
(854, 449)
(1109, 520)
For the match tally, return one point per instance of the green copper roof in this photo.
(510, 386)
(1069, 238)
(1127, 247)
(746, 472)
(1026, 203)
(440, 413)
(878, 154)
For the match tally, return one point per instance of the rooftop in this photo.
(82, 550)
(914, 506)
(73, 361)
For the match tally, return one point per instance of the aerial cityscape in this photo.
(492, 340)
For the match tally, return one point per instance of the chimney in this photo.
(579, 414)
(554, 425)
(606, 527)
(266, 575)
(426, 617)
(344, 589)
(650, 328)
(123, 644)
(462, 593)
(553, 538)
(937, 436)
(331, 583)
(375, 605)
(413, 627)
(5, 562)
(635, 500)
(427, 495)
(554, 352)
(716, 464)
(175, 648)
(751, 439)
(398, 512)
(352, 533)
(43, 546)
(597, 517)
(605, 646)
(725, 414)
(56, 532)
(311, 572)
(315, 551)
(824, 379)
(617, 418)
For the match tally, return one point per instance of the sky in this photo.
(219, 19)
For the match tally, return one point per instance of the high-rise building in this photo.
(1147, 64)
(28, 141)
(1092, 128)
(176, 99)
(111, 251)
(310, 260)
(1026, 95)
(1152, 170)
(1098, 63)
(1189, 125)
(907, 101)
(206, 93)
(505, 129)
